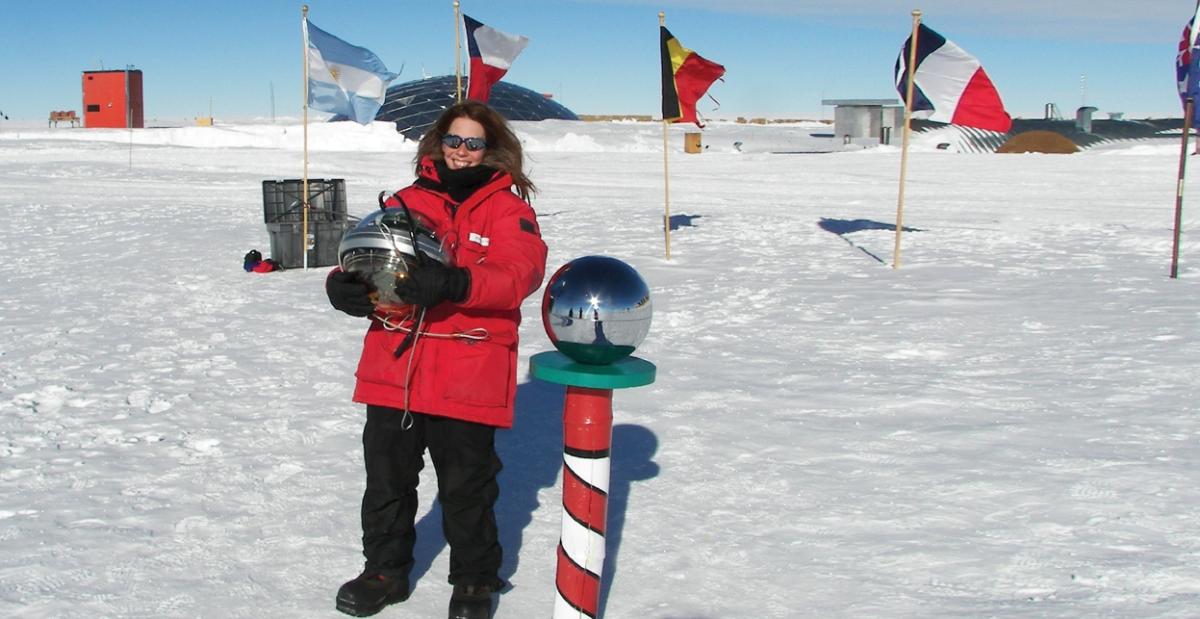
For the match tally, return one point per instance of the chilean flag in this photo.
(492, 53)
(951, 86)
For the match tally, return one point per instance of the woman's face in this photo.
(462, 156)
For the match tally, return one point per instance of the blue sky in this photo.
(782, 57)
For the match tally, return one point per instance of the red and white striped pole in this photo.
(587, 441)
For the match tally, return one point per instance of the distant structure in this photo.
(1039, 141)
(113, 99)
(414, 106)
(869, 122)
(63, 116)
(1083, 119)
(859, 120)
(1098, 131)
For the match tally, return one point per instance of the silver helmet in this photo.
(380, 250)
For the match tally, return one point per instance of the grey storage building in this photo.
(857, 120)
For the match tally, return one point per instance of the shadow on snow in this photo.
(842, 227)
(683, 221)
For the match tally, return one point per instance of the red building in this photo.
(112, 99)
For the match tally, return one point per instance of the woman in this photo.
(443, 377)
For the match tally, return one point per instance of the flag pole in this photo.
(662, 22)
(129, 115)
(304, 182)
(457, 56)
(1188, 110)
(666, 195)
(908, 97)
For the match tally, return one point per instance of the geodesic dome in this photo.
(414, 106)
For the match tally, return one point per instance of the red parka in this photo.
(495, 236)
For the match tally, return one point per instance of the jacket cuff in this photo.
(460, 284)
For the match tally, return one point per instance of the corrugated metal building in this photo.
(858, 120)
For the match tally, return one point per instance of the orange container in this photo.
(112, 99)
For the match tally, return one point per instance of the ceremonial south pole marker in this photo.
(596, 311)
(587, 443)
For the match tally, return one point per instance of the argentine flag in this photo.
(343, 78)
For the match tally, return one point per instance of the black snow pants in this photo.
(464, 458)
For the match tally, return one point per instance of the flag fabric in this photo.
(492, 53)
(1187, 67)
(686, 76)
(343, 78)
(950, 85)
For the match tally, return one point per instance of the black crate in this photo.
(287, 242)
(282, 200)
(283, 213)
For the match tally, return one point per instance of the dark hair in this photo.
(503, 148)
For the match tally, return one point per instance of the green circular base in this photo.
(555, 367)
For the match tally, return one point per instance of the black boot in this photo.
(471, 602)
(370, 592)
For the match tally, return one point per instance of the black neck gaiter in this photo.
(463, 182)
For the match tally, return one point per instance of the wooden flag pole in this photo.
(304, 182)
(1188, 110)
(457, 56)
(666, 195)
(912, 60)
(662, 22)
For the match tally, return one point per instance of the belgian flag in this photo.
(686, 77)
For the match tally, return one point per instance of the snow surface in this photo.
(1006, 426)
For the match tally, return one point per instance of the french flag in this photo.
(950, 85)
(492, 53)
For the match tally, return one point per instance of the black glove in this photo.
(349, 294)
(431, 282)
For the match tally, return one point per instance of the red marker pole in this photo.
(587, 440)
(587, 443)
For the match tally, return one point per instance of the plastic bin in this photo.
(287, 245)
(326, 200)
(284, 215)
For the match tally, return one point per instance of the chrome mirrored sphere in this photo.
(596, 309)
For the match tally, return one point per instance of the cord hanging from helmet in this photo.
(411, 338)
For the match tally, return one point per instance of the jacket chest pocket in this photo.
(471, 248)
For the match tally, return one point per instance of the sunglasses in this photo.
(473, 144)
